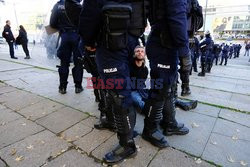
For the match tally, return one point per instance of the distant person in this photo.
(34, 42)
(8, 35)
(24, 41)
(247, 48)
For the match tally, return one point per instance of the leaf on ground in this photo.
(23, 124)
(237, 130)
(30, 147)
(198, 161)
(13, 151)
(105, 165)
(234, 137)
(230, 159)
(42, 142)
(194, 125)
(19, 158)
(3, 123)
(243, 163)
(44, 113)
(69, 140)
(214, 142)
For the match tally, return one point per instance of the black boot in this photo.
(78, 89)
(106, 120)
(120, 153)
(202, 73)
(186, 105)
(152, 119)
(62, 89)
(97, 95)
(185, 89)
(125, 122)
(169, 124)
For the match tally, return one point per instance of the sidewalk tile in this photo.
(62, 119)
(237, 117)
(17, 130)
(73, 158)
(227, 152)
(35, 150)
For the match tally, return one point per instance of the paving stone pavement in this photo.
(40, 127)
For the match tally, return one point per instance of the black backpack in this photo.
(194, 17)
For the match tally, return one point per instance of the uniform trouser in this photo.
(194, 62)
(216, 58)
(163, 65)
(11, 49)
(25, 49)
(230, 55)
(246, 52)
(203, 62)
(113, 67)
(69, 46)
(222, 59)
(209, 63)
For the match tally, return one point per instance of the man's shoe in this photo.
(156, 138)
(14, 57)
(27, 57)
(200, 74)
(62, 90)
(186, 105)
(78, 89)
(178, 129)
(119, 154)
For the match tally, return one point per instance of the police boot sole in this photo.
(170, 133)
(132, 155)
(154, 142)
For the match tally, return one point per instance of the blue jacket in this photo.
(7, 34)
(59, 19)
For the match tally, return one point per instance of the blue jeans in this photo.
(137, 100)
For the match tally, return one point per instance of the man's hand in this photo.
(89, 48)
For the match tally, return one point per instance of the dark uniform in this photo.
(8, 35)
(106, 121)
(69, 45)
(224, 55)
(231, 49)
(206, 52)
(113, 27)
(168, 35)
(216, 52)
(194, 48)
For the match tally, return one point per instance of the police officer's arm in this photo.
(73, 9)
(176, 20)
(89, 22)
(54, 17)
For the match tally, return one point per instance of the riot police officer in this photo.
(168, 34)
(206, 48)
(194, 48)
(113, 28)
(69, 45)
(216, 52)
(73, 9)
(224, 55)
